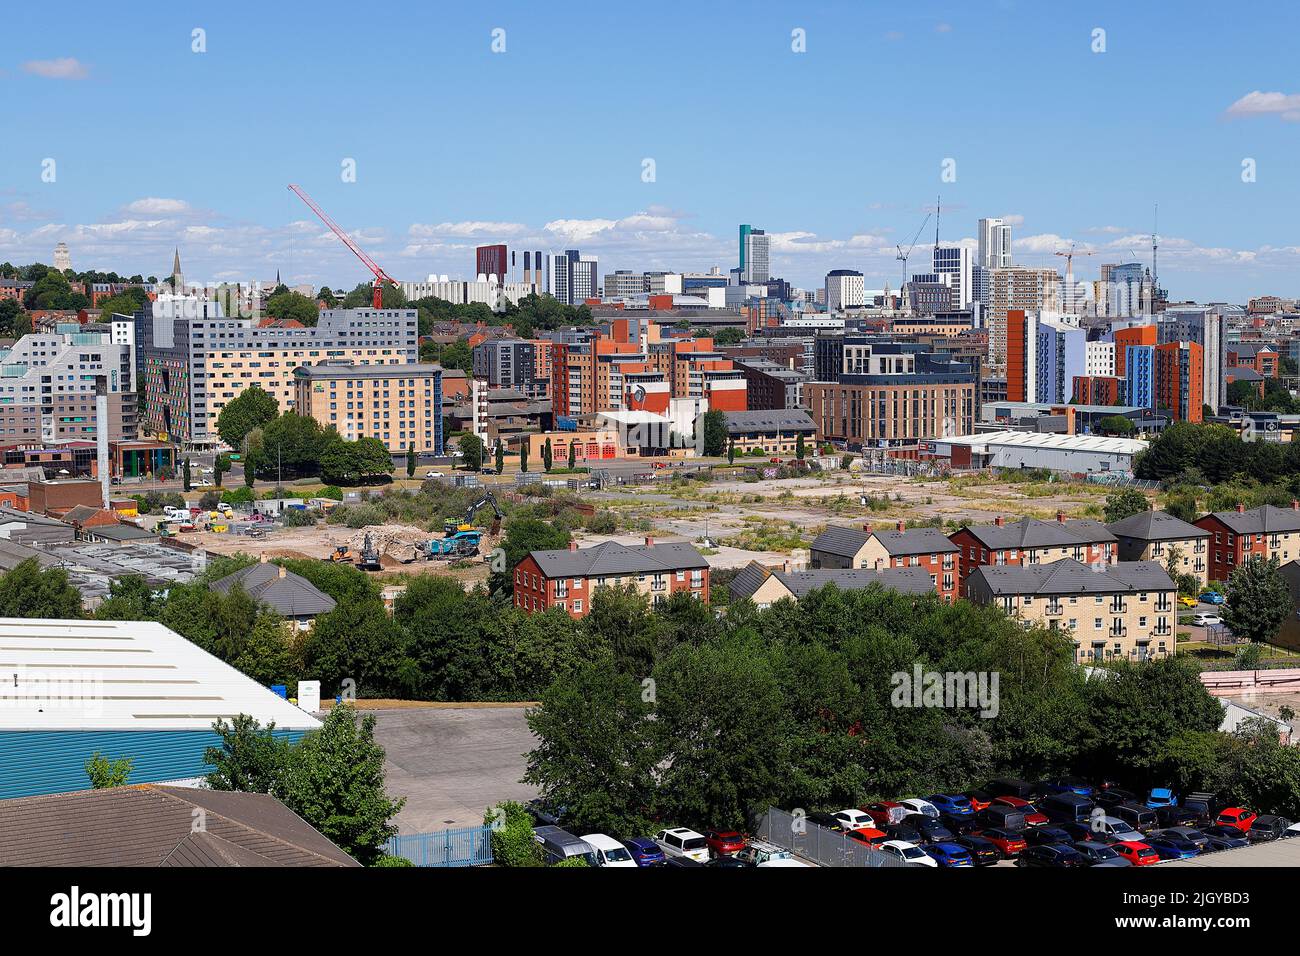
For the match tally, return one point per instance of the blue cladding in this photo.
(54, 761)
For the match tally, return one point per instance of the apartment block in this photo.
(48, 388)
(1032, 541)
(1180, 377)
(1159, 536)
(1266, 532)
(899, 547)
(401, 405)
(1015, 288)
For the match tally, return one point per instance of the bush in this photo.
(209, 500)
(367, 513)
(238, 496)
(387, 860)
(512, 835)
(298, 518)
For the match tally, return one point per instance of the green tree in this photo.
(731, 451)
(547, 456)
(471, 451)
(512, 835)
(410, 460)
(251, 408)
(105, 773)
(186, 479)
(130, 598)
(1124, 504)
(292, 444)
(500, 457)
(335, 781)
(29, 591)
(523, 455)
(799, 447)
(1259, 602)
(1116, 425)
(250, 758)
(292, 306)
(573, 455)
(715, 433)
(220, 466)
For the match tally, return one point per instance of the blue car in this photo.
(1067, 785)
(1212, 597)
(948, 854)
(954, 803)
(645, 851)
(1171, 847)
(1161, 797)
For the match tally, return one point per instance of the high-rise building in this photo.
(955, 263)
(62, 258)
(1029, 290)
(572, 278)
(1180, 377)
(755, 245)
(1204, 326)
(1060, 357)
(1020, 332)
(1140, 388)
(994, 244)
(845, 289)
(491, 261)
(1099, 359)
(400, 405)
(47, 392)
(1127, 289)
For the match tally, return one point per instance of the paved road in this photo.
(451, 764)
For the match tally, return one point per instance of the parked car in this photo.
(544, 814)
(979, 799)
(1212, 597)
(1009, 787)
(644, 851)
(682, 861)
(609, 852)
(1139, 854)
(959, 824)
(1114, 828)
(1206, 620)
(854, 819)
(724, 842)
(1033, 816)
(1078, 831)
(1114, 796)
(1008, 842)
(758, 852)
(683, 841)
(1225, 831)
(824, 820)
(1067, 807)
(932, 831)
(867, 836)
(1044, 836)
(1268, 826)
(1238, 817)
(1214, 843)
(729, 862)
(1140, 818)
(1001, 817)
(1189, 833)
(1069, 785)
(983, 852)
(1205, 805)
(885, 812)
(949, 854)
(909, 853)
(953, 803)
(1171, 846)
(902, 832)
(1175, 816)
(923, 807)
(559, 845)
(1098, 854)
(1186, 601)
(1161, 797)
(1051, 855)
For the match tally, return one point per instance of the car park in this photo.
(1268, 826)
(1171, 846)
(724, 842)
(644, 851)
(1161, 797)
(608, 851)
(1033, 816)
(854, 819)
(932, 831)
(949, 855)
(886, 812)
(1042, 836)
(952, 803)
(867, 836)
(923, 807)
(909, 853)
(983, 852)
(683, 841)
(760, 852)
(1238, 817)
(1097, 854)
(1008, 842)
(1051, 855)
(559, 845)
(1139, 854)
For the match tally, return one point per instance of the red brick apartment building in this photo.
(924, 548)
(1266, 532)
(567, 579)
(1033, 541)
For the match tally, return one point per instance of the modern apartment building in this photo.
(953, 265)
(48, 388)
(1267, 532)
(755, 248)
(899, 547)
(1204, 326)
(768, 385)
(1180, 376)
(893, 396)
(491, 261)
(1014, 288)
(844, 290)
(510, 363)
(1032, 541)
(572, 278)
(1159, 536)
(1116, 612)
(192, 361)
(994, 244)
(569, 579)
(401, 405)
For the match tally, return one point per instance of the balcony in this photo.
(1055, 610)
(1118, 607)
(1118, 632)
(1164, 607)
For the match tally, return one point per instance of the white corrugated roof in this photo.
(1098, 443)
(123, 675)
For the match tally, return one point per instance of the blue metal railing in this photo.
(467, 846)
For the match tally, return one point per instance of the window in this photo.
(577, 607)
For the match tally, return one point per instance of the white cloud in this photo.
(943, 28)
(1285, 105)
(471, 228)
(893, 36)
(153, 206)
(63, 68)
(1014, 219)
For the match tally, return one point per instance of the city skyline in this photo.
(210, 140)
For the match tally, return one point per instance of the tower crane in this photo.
(902, 256)
(1069, 261)
(380, 275)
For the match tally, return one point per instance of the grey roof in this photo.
(1266, 519)
(290, 594)
(1036, 533)
(1243, 373)
(120, 532)
(328, 370)
(1068, 576)
(1154, 525)
(153, 825)
(846, 542)
(837, 539)
(738, 423)
(800, 583)
(612, 558)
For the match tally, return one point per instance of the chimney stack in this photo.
(1060, 516)
(1240, 507)
(787, 566)
(1295, 505)
(649, 542)
(902, 526)
(283, 572)
(867, 528)
(101, 440)
(573, 546)
(999, 521)
(263, 559)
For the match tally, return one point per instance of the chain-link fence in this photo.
(812, 842)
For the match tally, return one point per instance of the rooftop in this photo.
(1029, 533)
(1048, 440)
(291, 595)
(1156, 526)
(1073, 577)
(612, 558)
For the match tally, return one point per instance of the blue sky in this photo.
(836, 151)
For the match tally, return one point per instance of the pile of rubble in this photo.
(388, 539)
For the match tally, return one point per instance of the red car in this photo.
(1008, 842)
(725, 842)
(1139, 854)
(979, 800)
(886, 812)
(1238, 817)
(868, 836)
(1032, 817)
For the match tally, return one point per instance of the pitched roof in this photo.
(290, 594)
(1068, 576)
(839, 540)
(1154, 525)
(792, 419)
(1036, 533)
(846, 542)
(612, 558)
(152, 825)
(906, 580)
(1266, 519)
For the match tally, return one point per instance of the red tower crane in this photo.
(380, 275)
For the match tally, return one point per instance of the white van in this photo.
(172, 513)
(1115, 827)
(683, 841)
(609, 852)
